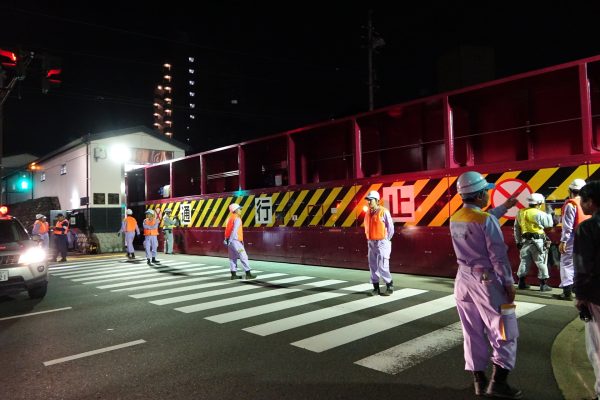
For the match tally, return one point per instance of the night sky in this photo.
(287, 64)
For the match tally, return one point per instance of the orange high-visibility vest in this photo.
(579, 215)
(374, 227)
(61, 224)
(150, 232)
(229, 228)
(43, 227)
(130, 224)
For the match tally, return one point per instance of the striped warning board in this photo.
(420, 202)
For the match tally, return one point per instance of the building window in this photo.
(63, 169)
(99, 198)
(42, 177)
(113, 198)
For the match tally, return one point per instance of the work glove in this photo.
(226, 242)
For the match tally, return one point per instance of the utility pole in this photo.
(370, 57)
(374, 41)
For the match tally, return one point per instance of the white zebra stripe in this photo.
(350, 333)
(311, 317)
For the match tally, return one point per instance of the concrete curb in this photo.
(572, 370)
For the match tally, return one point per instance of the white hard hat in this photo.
(535, 198)
(372, 195)
(472, 182)
(39, 216)
(577, 184)
(129, 211)
(233, 207)
(151, 212)
(168, 210)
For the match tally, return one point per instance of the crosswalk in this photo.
(189, 288)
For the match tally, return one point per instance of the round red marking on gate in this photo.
(511, 188)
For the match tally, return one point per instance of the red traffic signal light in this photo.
(9, 59)
(51, 71)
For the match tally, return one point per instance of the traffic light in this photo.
(8, 59)
(23, 183)
(16, 61)
(51, 70)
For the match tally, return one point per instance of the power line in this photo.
(328, 68)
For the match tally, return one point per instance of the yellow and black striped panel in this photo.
(435, 200)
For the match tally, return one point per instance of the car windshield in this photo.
(12, 231)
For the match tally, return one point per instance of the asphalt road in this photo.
(109, 329)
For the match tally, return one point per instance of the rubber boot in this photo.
(234, 276)
(544, 287)
(567, 293)
(480, 383)
(523, 284)
(375, 291)
(155, 261)
(149, 262)
(499, 387)
(250, 275)
(389, 289)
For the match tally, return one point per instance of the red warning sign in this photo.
(511, 188)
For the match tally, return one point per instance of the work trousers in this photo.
(592, 343)
(62, 245)
(237, 251)
(479, 294)
(150, 245)
(533, 250)
(168, 241)
(567, 269)
(379, 260)
(129, 241)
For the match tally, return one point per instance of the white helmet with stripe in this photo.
(234, 207)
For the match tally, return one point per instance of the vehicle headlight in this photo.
(32, 255)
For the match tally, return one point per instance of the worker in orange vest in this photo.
(571, 216)
(234, 240)
(41, 228)
(379, 229)
(130, 229)
(151, 237)
(60, 231)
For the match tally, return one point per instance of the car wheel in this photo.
(39, 291)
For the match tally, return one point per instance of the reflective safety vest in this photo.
(130, 224)
(229, 227)
(374, 227)
(153, 231)
(579, 215)
(526, 220)
(59, 225)
(42, 227)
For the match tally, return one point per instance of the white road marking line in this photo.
(311, 317)
(83, 264)
(145, 274)
(408, 354)
(128, 272)
(255, 296)
(183, 288)
(77, 268)
(93, 352)
(216, 273)
(36, 313)
(99, 271)
(121, 268)
(211, 293)
(350, 333)
(286, 304)
(187, 280)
